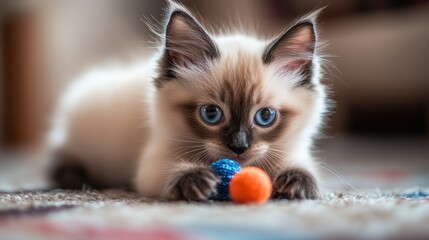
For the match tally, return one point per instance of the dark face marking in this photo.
(238, 134)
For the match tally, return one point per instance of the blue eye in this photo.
(265, 117)
(211, 114)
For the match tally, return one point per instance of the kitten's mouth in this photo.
(221, 153)
(239, 158)
(242, 158)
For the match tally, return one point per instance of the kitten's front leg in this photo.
(295, 183)
(161, 177)
(193, 183)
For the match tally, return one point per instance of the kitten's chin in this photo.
(243, 159)
(217, 152)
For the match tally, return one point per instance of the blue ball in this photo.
(226, 169)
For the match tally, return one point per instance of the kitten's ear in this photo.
(294, 49)
(186, 41)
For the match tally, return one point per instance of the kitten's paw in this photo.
(295, 184)
(196, 185)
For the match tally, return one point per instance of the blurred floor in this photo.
(362, 162)
(368, 162)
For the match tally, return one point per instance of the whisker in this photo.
(338, 175)
(265, 162)
(270, 162)
(275, 159)
(197, 157)
(285, 154)
(277, 154)
(205, 158)
(179, 149)
(184, 140)
(262, 163)
(187, 152)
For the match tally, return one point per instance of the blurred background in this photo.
(380, 121)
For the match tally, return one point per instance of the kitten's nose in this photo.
(238, 141)
(239, 149)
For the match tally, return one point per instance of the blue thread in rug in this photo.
(417, 194)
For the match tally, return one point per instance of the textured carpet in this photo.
(394, 211)
(117, 214)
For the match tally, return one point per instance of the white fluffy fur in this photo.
(100, 119)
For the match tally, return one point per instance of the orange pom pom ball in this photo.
(251, 185)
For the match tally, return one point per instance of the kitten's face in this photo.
(235, 112)
(236, 97)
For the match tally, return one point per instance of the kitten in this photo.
(159, 124)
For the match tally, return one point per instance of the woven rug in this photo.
(116, 214)
(341, 213)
